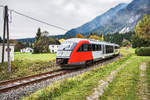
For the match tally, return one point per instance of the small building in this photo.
(12, 46)
(53, 48)
(26, 50)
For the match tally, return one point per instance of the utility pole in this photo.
(8, 48)
(4, 32)
(6, 28)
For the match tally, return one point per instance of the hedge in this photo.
(143, 51)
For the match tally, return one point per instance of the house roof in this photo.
(11, 44)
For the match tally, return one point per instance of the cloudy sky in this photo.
(64, 13)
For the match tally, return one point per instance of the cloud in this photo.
(65, 13)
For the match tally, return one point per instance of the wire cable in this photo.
(58, 27)
(2, 6)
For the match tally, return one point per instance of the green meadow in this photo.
(27, 64)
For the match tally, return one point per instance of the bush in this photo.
(144, 51)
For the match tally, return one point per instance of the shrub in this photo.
(144, 51)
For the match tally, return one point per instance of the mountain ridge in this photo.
(122, 18)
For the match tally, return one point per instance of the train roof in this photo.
(76, 40)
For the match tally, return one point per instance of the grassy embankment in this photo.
(80, 87)
(125, 85)
(27, 64)
(148, 77)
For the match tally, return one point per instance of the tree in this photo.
(101, 38)
(125, 42)
(142, 29)
(18, 46)
(53, 41)
(41, 44)
(93, 33)
(38, 34)
(94, 37)
(118, 38)
(139, 42)
(79, 35)
(114, 38)
(45, 33)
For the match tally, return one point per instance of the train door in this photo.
(96, 54)
(103, 51)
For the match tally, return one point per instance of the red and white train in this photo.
(76, 52)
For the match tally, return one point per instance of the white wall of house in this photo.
(26, 50)
(53, 48)
(5, 53)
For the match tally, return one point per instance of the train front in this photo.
(64, 52)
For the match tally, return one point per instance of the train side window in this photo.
(96, 47)
(93, 47)
(80, 49)
(83, 48)
(89, 47)
(109, 49)
(116, 47)
(99, 48)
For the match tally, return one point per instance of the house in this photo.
(12, 46)
(53, 48)
(26, 50)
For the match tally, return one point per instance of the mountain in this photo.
(32, 40)
(121, 18)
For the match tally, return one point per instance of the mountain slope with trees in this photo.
(121, 18)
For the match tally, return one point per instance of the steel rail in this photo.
(8, 88)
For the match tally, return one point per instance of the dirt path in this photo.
(103, 84)
(143, 91)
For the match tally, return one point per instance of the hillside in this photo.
(121, 18)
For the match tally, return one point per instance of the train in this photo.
(77, 52)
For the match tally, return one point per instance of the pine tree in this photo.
(38, 34)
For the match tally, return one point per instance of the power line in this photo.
(58, 27)
(2, 6)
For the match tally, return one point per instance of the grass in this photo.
(148, 77)
(27, 64)
(125, 51)
(125, 85)
(35, 57)
(77, 88)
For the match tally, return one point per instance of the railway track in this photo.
(6, 86)
(9, 85)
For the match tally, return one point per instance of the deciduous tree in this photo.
(41, 44)
(143, 27)
(79, 35)
(94, 37)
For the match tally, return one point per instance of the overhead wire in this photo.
(32, 18)
(58, 27)
(40, 21)
(2, 6)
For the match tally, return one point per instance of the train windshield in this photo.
(67, 46)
